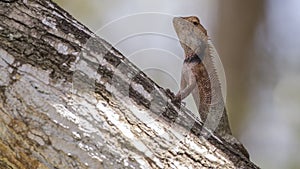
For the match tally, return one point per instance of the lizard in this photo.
(199, 77)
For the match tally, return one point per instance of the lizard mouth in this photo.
(175, 19)
(176, 22)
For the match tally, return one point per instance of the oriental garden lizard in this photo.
(199, 77)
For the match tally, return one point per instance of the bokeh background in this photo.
(258, 42)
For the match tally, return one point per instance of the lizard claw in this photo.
(177, 99)
(174, 98)
(170, 93)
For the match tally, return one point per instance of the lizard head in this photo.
(196, 22)
(192, 35)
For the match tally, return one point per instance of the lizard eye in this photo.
(195, 23)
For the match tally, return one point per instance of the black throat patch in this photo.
(194, 59)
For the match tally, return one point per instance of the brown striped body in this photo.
(199, 76)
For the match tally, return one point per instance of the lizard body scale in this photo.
(200, 78)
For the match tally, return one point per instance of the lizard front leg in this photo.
(187, 85)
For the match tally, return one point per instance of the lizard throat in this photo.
(193, 59)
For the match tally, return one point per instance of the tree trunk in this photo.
(68, 99)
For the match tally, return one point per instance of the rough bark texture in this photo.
(70, 100)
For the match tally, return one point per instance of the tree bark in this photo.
(68, 99)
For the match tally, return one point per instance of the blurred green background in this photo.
(258, 43)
